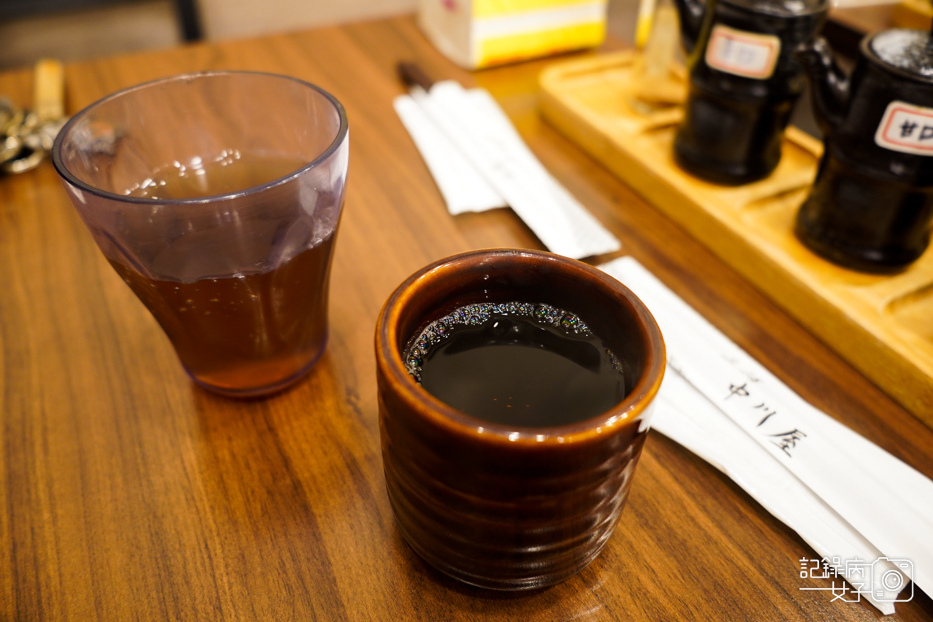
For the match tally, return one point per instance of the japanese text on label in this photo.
(784, 437)
(746, 54)
(906, 128)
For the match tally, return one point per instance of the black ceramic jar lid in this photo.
(783, 8)
(910, 51)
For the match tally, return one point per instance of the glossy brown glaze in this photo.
(511, 507)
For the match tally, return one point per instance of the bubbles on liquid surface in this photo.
(419, 347)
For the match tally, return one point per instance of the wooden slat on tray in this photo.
(882, 324)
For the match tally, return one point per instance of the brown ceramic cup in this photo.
(511, 507)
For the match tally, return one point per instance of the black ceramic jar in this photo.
(744, 82)
(872, 202)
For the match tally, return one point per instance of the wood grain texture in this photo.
(126, 493)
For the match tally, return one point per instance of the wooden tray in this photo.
(883, 325)
(912, 14)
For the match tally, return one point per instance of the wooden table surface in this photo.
(126, 493)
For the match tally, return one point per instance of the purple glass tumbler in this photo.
(217, 197)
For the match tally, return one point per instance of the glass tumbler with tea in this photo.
(217, 196)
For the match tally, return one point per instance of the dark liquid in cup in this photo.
(518, 364)
(249, 331)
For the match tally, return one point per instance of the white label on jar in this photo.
(746, 54)
(906, 128)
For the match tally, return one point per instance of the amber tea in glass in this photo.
(223, 219)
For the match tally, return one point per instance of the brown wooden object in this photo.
(882, 324)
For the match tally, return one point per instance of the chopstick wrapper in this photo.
(461, 185)
(866, 513)
(467, 140)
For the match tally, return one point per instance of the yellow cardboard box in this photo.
(481, 33)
